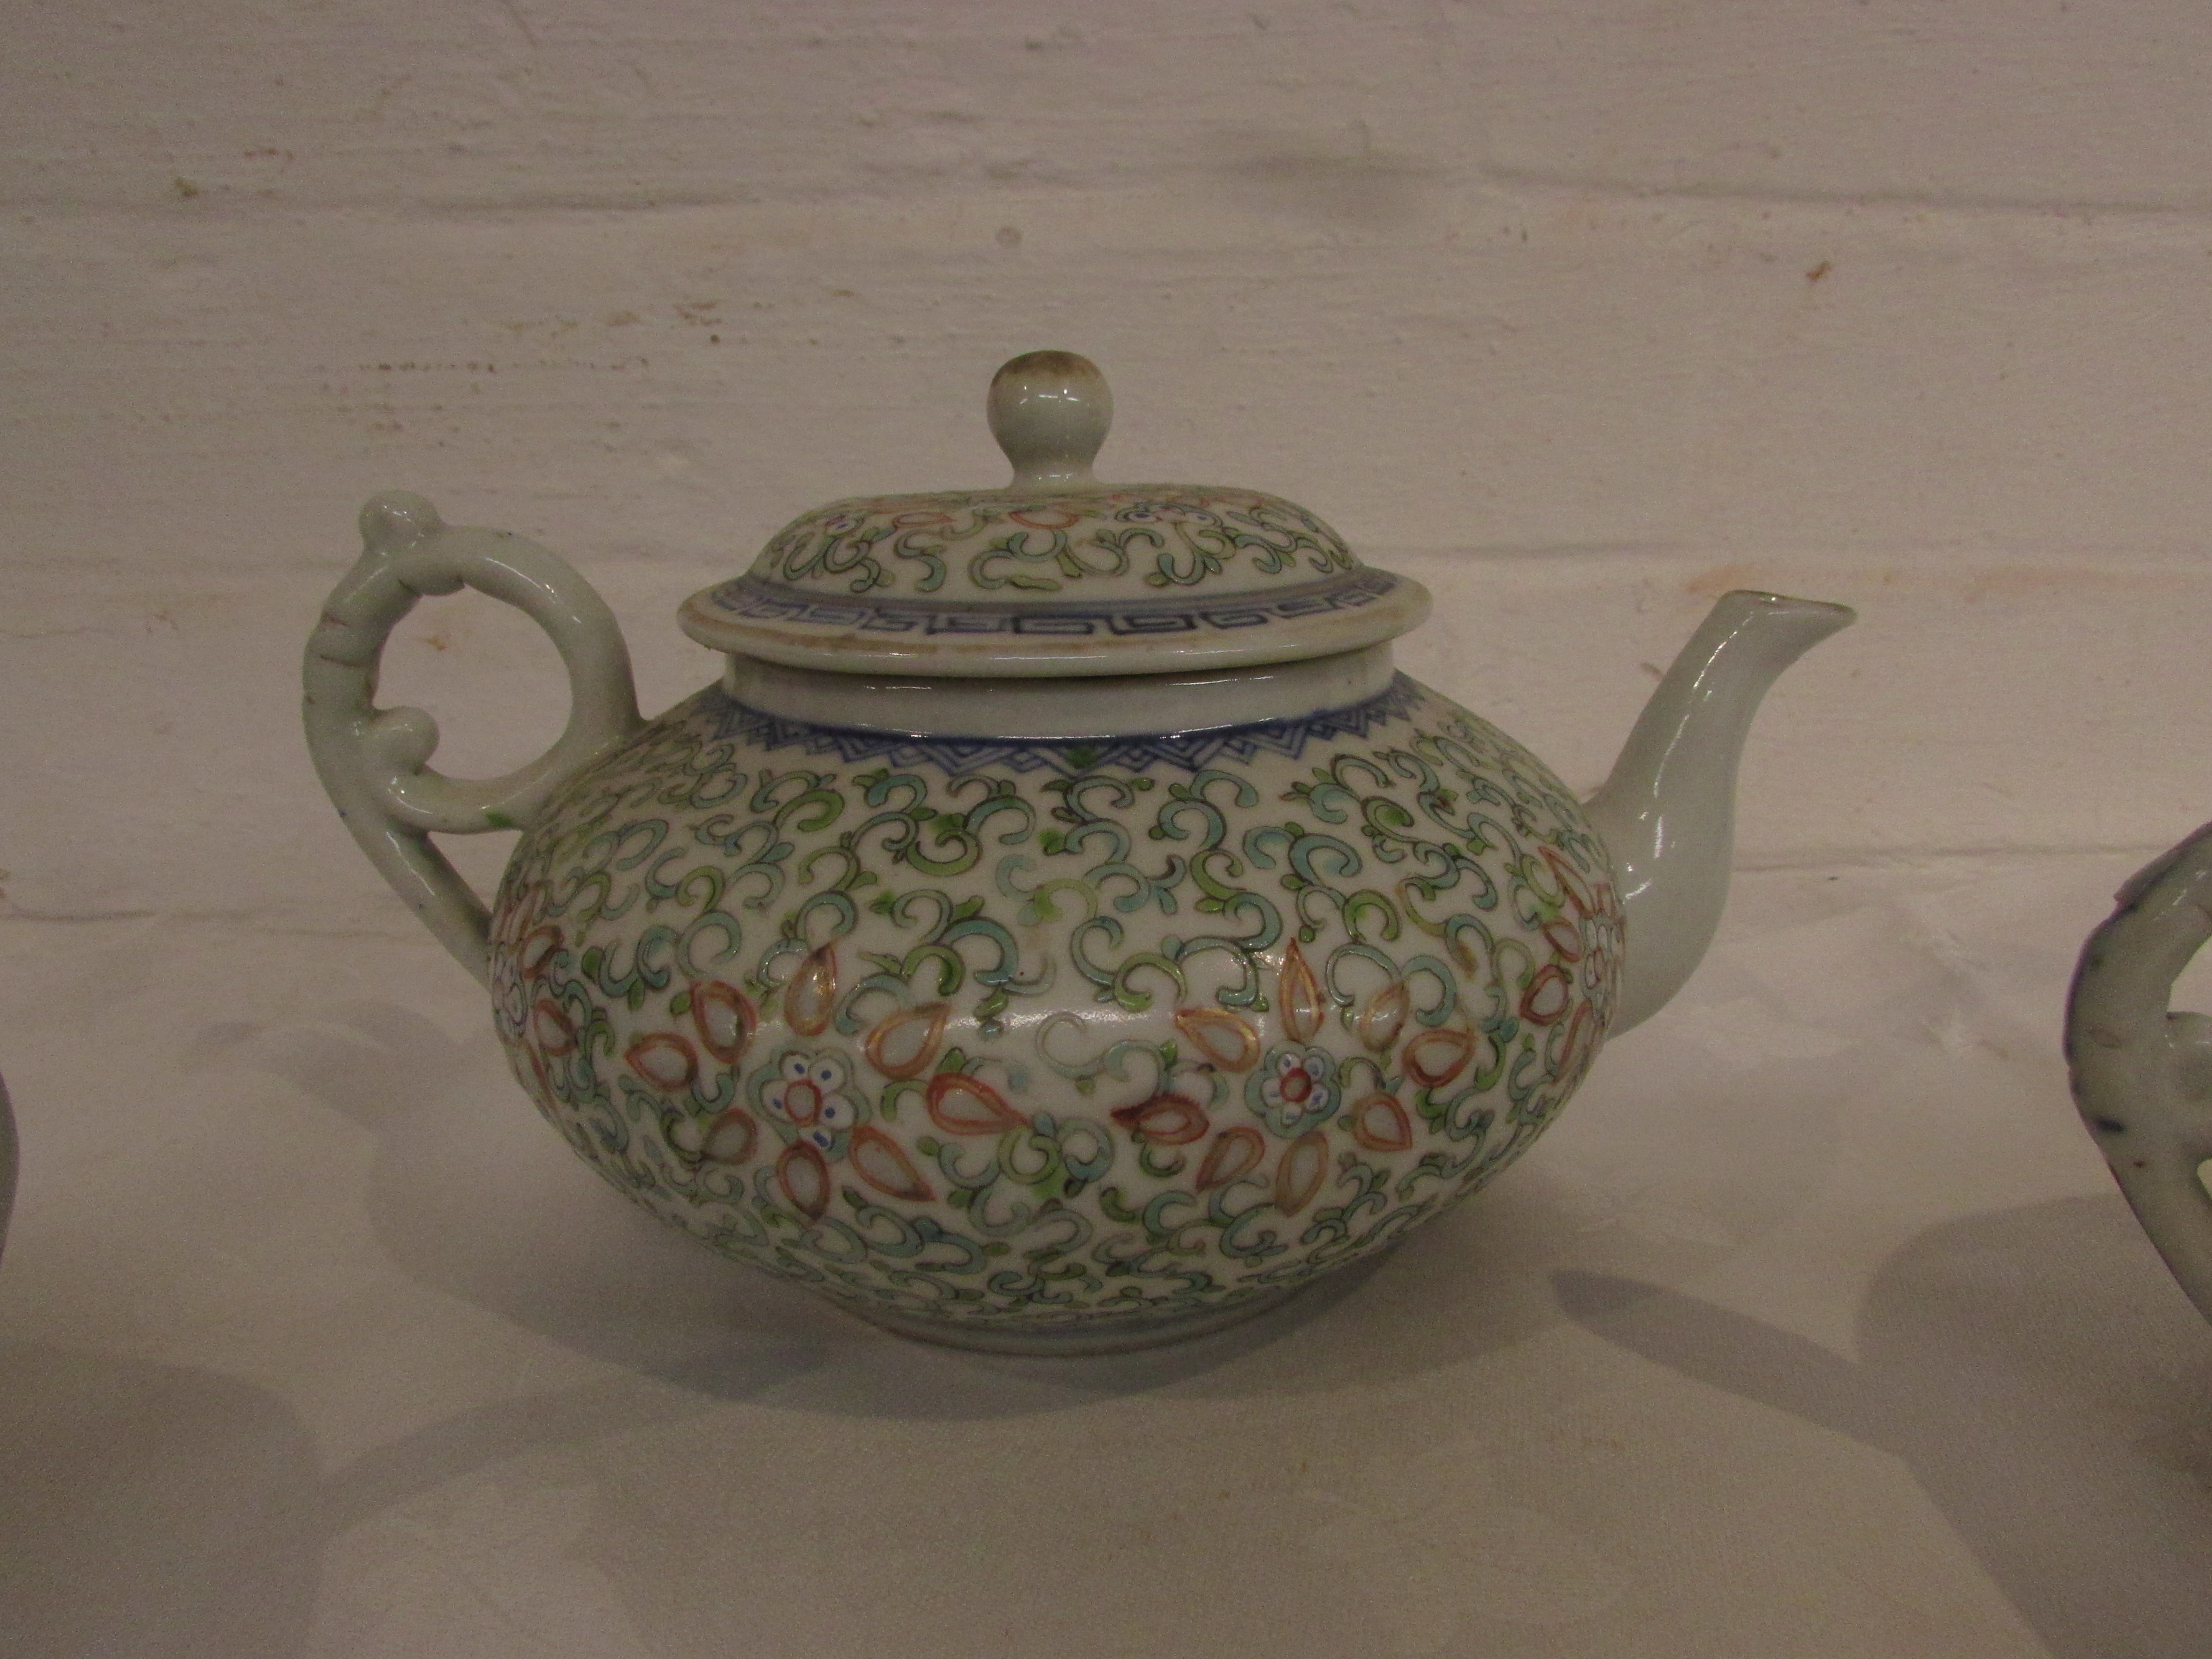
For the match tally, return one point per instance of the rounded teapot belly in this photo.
(1056, 1046)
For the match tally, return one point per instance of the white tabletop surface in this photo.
(1815, 1328)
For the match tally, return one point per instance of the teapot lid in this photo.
(1055, 574)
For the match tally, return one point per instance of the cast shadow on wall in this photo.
(2042, 1380)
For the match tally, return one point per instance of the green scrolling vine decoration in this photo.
(1160, 536)
(1016, 1042)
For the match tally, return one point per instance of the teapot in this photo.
(2141, 1075)
(1059, 929)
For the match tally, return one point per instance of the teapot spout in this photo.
(1668, 812)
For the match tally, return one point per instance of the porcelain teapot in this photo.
(1059, 929)
(2142, 1073)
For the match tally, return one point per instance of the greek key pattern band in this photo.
(748, 598)
(1185, 751)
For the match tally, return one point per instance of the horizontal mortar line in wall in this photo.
(1183, 240)
(988, 209)
(76, 918)
(1909, 557)
(1993, 205)
(1523, 552)
(243, 919)
(1501, 187)
(155, 576)
(962, 215)
(215, 200)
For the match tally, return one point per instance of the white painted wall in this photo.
(1582, 310)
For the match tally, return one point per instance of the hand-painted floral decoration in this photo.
(1012, 1037)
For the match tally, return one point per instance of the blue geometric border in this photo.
(1184, 751)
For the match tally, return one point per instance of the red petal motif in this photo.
(1220, 1035)
(664, 1060)
(812, 996)
(1570, 883)
(1565, 938)
(1046, 518)
(537, 951)
(1380, 1124)
(1164, 1120)
(904, 1043)
(1549, 995)
(805, 1179)
(1303, 1008)
(1435, 1058)
(1305, 1166)
(1378, 1024)
(551, 1029)
(730, 1138)
(1235, 1152)
(884, 1164)
(1580, 1047)
(724, 1019)
(962, 1105)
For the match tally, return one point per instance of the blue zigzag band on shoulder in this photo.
(1185, 751)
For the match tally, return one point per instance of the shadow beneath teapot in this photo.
(155, 1510)
(471, 1195)
(2043, 1380)
(151, 1509)
(481, 1201)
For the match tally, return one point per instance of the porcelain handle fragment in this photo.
(2141, 1075)
(374, 762)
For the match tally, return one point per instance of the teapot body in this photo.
(1060, 1045)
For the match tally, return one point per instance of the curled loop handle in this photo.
(374, 762)
(2141, 1075)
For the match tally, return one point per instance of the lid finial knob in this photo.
(1049, 411)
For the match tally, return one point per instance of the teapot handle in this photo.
(2142, 1075)
(374, 760)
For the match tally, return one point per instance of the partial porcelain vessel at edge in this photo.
(1059, 930)
(7, 1162)
(2142, 1073)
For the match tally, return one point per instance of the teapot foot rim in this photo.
(1111, 1335)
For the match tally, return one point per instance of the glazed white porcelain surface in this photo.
(1075, 706)
(1059, 929)
(2142, 1072)
(1056, 572)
